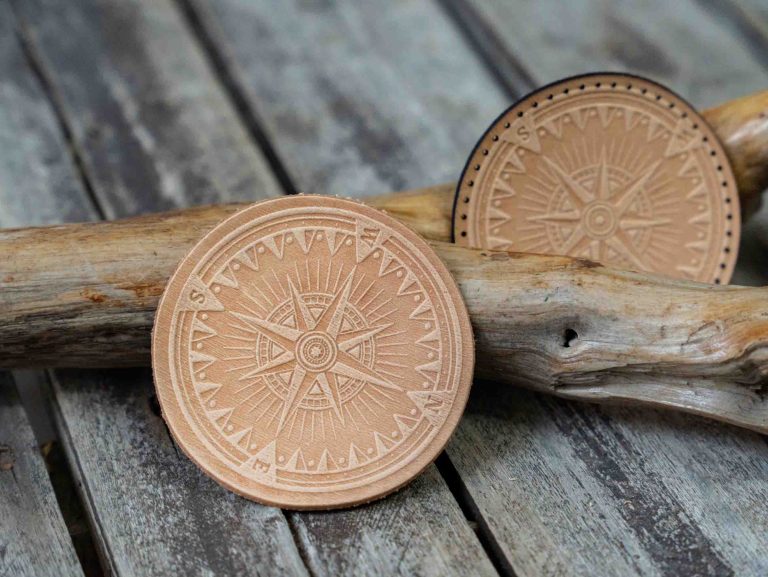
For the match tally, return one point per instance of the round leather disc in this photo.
(609, 167)
(312, 352)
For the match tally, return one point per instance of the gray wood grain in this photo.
(96, 442)
(36, 171)
(613, 491)
(358, 98)
(151, 125)
(412, 532)
(154, 512)
(33, 539)
(749, 18)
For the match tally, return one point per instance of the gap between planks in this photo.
(473, 515)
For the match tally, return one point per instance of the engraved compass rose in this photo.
(312, 352)
(316, 352)
(600, 216)
(609, 167)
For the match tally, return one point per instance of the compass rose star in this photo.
(316, 352)
(600, 215)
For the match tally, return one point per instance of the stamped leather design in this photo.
(312, 352)
(609, 167)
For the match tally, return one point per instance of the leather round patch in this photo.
(609, 167)
(312, 352)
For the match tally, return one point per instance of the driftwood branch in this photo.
(578, 330)
(85, 295)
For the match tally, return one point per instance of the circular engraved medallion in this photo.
(609, 167)
(312, 352)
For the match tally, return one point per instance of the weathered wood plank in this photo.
(358, 98)
(36, 171)
(681, 46)
(377, 536)
(153, 511)
(33, 539)
(151, 125)
(749, 18)
(125, 476)
(412, 533)
(613, 491)
(575, 490)
(716, 461)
